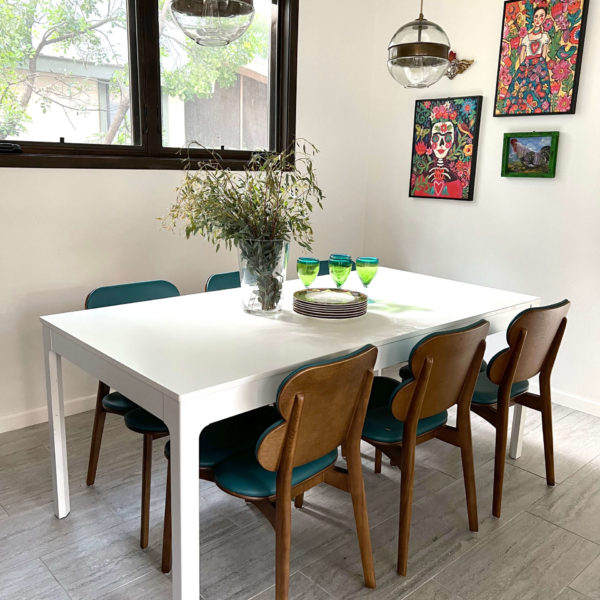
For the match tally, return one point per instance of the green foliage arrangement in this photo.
(271, 199)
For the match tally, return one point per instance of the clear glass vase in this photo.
(263, 265)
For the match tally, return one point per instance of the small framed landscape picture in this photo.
(529, 154)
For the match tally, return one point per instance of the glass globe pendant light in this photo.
(418, 53)
(213, 22)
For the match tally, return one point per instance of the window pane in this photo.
(64, 71)
(216, 97)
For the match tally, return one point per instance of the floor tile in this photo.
(569, 594)
(575, 504)
(152, 586)
(570, 454)
(301, 588)
(30, 581)
(509, 564)
(588, 582)
(432, 590)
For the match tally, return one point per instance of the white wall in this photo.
(64, 232)
(534, 236)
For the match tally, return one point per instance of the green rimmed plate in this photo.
(329, 297)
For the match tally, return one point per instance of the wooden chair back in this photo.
(445, 367)
(322, 406)
(534, 337)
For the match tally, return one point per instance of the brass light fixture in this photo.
(213, 22)
(418, 53)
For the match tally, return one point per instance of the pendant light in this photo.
(213, 22)
(418, 53)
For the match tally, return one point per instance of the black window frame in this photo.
(146, 92)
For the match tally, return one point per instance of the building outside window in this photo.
(116, 83)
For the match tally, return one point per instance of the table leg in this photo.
(184, 434)
(56, 424)
(516, 435)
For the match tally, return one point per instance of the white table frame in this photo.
(186, 414)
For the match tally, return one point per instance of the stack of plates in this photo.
(330, 303)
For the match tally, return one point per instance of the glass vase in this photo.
(263, 265)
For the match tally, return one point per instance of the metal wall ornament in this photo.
(213, 22)
(418, 53)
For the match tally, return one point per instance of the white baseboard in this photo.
(585, 405)
(40, 415)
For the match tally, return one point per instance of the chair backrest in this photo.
(445, 366)
(222, 281)
(322, 405)
(533, 337)
(126, 293)
(324, 267)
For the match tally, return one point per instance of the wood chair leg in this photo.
(466, 453)
(406, 496)
(146, 481)
(283, 542)
(378, 456)
(361, 517)
(299, 500)
(167, 539)
(97, 430)
(548, 440)
(500, 458)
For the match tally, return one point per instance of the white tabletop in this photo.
(203, 342)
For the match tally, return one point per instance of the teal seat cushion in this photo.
(242, 474)
(142, 421)
(382, 426)
(118, 403)
(405, 372)
(223, 439)
(486, 391)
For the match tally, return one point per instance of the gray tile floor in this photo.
(546, 545)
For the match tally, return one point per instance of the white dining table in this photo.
(199, 358)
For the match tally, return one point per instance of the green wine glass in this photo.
(308, 269)
(366, 269)
(340, 266)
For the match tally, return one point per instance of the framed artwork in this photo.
(531, 154)
(540, 57)
(444, 150)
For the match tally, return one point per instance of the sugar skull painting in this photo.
(445, 148)
(540, 57)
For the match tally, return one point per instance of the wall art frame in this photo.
(539, 62)
(444, 148)
(530, 154)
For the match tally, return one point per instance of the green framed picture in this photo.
(529, 154)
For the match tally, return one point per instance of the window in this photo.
(116, 84)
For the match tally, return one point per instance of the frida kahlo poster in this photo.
(540, 57)
(444, 148)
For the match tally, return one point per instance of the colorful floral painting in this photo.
(540, 57)
(445, 148)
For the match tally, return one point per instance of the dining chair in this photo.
(534, 337)
(222, 281)
(320, 407)
(324, 267)
(116, 403)
(402, 415)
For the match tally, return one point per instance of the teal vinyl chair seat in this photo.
(242, 474)
(116, 402)
(405, 372)
(223, 439)
(382, 426)
(486, 391)
(142, 421)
